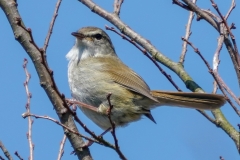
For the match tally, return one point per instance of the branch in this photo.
(229, 31)
(61, 151)
(187, 35)
(51, 26)
(24, 115)
(233, 5)
(30, 121)
(117, 7)
(25, 39)
(216, 24)
(207, 116)
(216, 60)
(5, 151)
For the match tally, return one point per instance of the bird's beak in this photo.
(78, 35)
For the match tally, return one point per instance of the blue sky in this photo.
(178, 134)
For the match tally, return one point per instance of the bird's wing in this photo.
(127, 78)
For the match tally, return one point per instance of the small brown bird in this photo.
(94, 71)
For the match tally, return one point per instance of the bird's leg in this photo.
(72, 101)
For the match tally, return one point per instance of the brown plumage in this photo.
(94, 71)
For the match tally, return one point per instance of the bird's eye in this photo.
(98, 36)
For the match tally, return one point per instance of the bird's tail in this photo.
(189, 100)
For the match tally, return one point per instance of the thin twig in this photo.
(228, 90)
(215, 76)
(216, 60)
(24, 115)
(117, 7)
(229, 31)
(61, 151)
(215, 22)
(5, 151)
(1, 158)
(113, 130)
(147, 55)
(187, 35)
(207, 116)
(18, 155)
(233, 5)
(43, 56)
(30, 120)
(51, 26)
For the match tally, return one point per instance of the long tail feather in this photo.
(189, 100)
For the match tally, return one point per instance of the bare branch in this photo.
(117, 6)
(51, 26)
(233, 5)
(5, 151)
(229, 31)
(216, 60)
(187, 35)
(207, 116)
(30, 121)
(24, 115)
(215, 22)
(61, 151)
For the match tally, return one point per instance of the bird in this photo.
(95, 71)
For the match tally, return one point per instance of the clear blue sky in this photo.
(178, 134)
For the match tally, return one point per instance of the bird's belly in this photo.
(92, 88)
